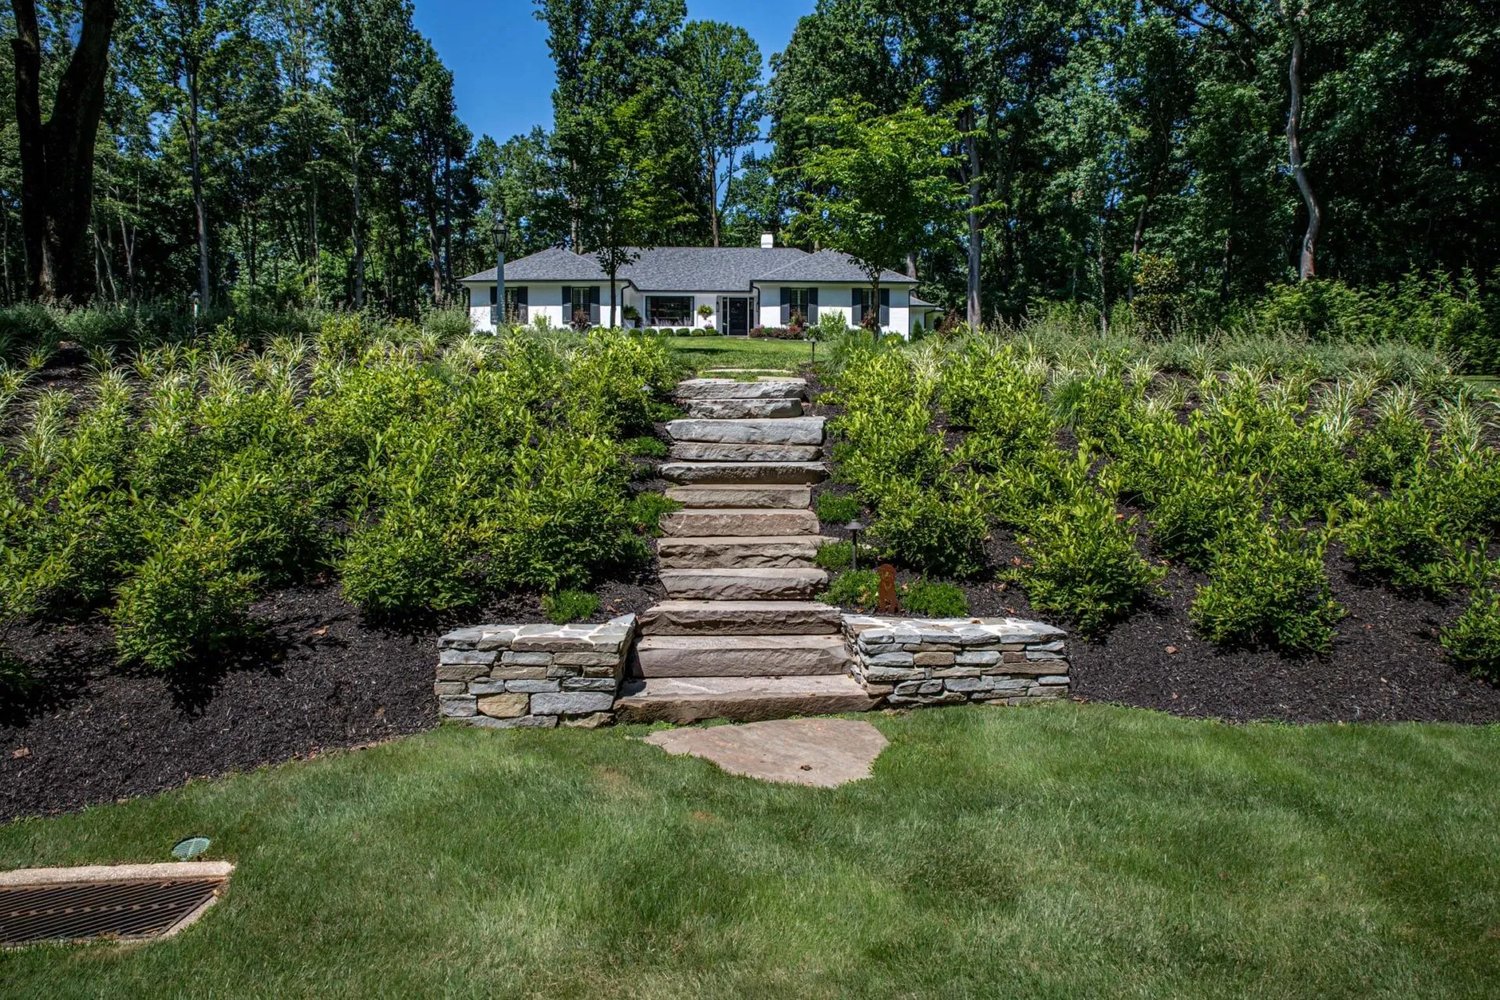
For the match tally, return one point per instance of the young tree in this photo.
(718, 84)
(881, 187)
(57, 154)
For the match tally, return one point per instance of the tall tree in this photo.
(57, 154)
(881, 186)
(718, 87)
(606, 52)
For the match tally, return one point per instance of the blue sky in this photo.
(497, 51)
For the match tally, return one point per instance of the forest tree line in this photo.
(310, 151)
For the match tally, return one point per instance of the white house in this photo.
(744, 287)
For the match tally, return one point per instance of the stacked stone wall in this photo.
(508, 676)
(911, 661)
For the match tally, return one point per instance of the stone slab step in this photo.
(708, 522)
(706, 451)
(729, 552)
(800, 430)
(742, 409)
(741, 618)
(747, 473)
(740, 656)
(728, 388)
(685, 700)
(758, 497)
(743, 584)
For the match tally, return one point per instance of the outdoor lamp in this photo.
(195, 298)
(854, 528)
(498, 231)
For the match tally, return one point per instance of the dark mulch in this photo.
(1386, 664)
(323, 678)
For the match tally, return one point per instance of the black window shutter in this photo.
(812, 305)
(857, 307)
(594, 304)
(885, 307)
(786, 306)
(523, 313)
(493, 293)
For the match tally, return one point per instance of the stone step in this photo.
(706, 451)
(728, 388)
(801, 430)
(743, 584)
(686, 700)
(758, 497)
(708, 522)
(740, 656)
(746, 473)
(741, 618)
(728, 552)
(742, 409)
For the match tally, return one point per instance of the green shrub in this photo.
(1473, 641)
(1392, 450)
(835, 556)
(414, 558)
(1269, 587)
(186, 600)
(938, 529)
(1082, 562)
(448, 325)
(343, 336)
(646, 447)
(1405, 539)
(935, 600)
(837, 508)
(1189, 523)
(567, 606)
(857, 589)
(647, 510)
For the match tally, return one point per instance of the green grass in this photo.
(1067, 851)
(770, 356)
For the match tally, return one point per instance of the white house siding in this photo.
(544, 300)
(838, 299)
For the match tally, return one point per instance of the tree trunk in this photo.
(359, 242)
(1307, 266)
(613, 322)
(57, 156)
(195, 165)
(976, 233)
(713, 197)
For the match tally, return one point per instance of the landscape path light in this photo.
(854, 527)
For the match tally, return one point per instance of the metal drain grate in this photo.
(125, 903)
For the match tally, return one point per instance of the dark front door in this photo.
(739, 317)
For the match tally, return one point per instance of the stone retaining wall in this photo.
(506, 676)
(946, 661)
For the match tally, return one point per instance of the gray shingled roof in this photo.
(692, 269)
(830, 265)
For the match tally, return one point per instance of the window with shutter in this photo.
(885, 308)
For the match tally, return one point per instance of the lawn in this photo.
(1065, 851)
(739, 352)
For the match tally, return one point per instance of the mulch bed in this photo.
(326, 678)
(323, 678)
(1386, 664)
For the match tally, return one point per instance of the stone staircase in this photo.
(740, 636)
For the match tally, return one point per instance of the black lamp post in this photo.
(854, 528)
(499, 233)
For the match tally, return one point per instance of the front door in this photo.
(738, 317)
